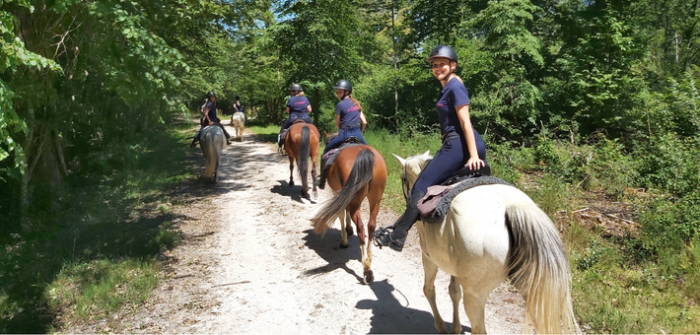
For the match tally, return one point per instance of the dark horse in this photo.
(357, 173)
(301, 144)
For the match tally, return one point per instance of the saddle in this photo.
(283, 134)
(436, 202)
(329, 157)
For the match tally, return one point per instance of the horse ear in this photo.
(400, 160)
(427, 153)
(325, 133)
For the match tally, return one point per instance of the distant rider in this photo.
(298, 108)
(210, 118)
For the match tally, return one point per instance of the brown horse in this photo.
(357, 173)
(301, 144)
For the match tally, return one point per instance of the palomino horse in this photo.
(212, 141)
(301, 144)
(490, 233)
(357, 173)
(238, 123)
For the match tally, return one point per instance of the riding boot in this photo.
(195, 139)
(395, 236)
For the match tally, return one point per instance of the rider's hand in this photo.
(475, 163)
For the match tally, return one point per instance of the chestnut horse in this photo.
(301, 144)
(357, 173)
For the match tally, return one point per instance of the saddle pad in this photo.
(435, 204)
(330, 156)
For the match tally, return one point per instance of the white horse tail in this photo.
(539, 269)
(212, 143)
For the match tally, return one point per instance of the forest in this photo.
(587, 100)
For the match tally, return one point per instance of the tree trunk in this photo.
(394, 59)
(316, 105)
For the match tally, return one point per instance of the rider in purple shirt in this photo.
(209, 118)
(461, 145)
(349, 118)
(298, 108)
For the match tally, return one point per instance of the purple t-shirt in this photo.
(297, 104)
(349, 113)
(211, 110)
(452, 95)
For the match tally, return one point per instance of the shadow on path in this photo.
(390, 316)
(337, 258)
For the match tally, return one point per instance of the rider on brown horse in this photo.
(349, 119)
(298, 108)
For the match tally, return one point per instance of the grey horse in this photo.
(212, 142)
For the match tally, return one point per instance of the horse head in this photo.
(412, 166)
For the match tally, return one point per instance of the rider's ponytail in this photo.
(354, 101)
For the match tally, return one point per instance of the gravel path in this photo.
(250, 263)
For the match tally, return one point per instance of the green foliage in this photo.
(96, 252)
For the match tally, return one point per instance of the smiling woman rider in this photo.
(461, 144)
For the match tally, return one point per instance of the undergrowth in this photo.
(94, 251)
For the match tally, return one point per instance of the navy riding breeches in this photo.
(342, 135)
(293, 117)
(449, 159)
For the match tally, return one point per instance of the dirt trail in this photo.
(252, 264)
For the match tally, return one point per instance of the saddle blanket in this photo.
(435, 204)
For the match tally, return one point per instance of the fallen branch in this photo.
(236, 283)
(581, 210)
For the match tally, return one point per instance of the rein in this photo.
(404, 184)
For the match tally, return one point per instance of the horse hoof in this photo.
(344, 246)
(369, 276)
(291, 183)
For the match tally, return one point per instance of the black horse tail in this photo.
(303, 161)
(360, 175)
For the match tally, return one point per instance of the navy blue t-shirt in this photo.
(452, 95)
(297, 104)
(240, 107)
(349, 113)
(211, 109)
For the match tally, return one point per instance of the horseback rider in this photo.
(298, 108)
(238, 108)
(209, 118)
(349, 118)
(461, 145)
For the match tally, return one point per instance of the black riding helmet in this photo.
(295, 87)
(343, 85)
(443, 51)
(210, 94)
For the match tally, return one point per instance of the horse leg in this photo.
(456, 295)
(474, 306)
(431, 271)
(343, 233)
(348, 224)
(291, 170)
(314, 154)
(354, 209)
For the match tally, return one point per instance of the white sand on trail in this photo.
(267, 272)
